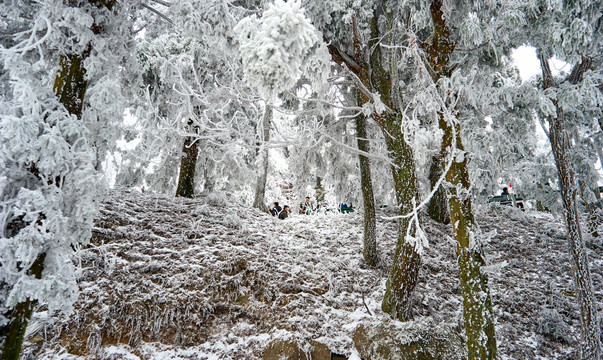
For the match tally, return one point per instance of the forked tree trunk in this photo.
(188, 164)
(372, 74)
(590, 346)
(260, 188)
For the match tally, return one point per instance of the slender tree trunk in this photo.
(260, 188)
(590, 347)
(370, 237)
(188, 164)
(438, 205)
(404, 273)
(477, 304)
(367, 64)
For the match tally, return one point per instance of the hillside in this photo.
(206, 278)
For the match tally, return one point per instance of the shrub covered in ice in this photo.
(232, 221)
(202, 210)
(550, 323)
(217, 198)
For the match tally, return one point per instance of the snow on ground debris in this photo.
(172, 278)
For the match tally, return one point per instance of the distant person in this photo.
(285, 213)
(505, 191)
(305, 207)
(275, 209)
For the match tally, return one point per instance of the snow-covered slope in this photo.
(172, 278)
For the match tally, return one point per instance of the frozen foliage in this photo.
(233, 221)
(274, 47)
(551, 323)
(217, 198)
(49, 186)
(160, 282)
(202, 210)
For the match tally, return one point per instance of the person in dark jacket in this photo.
(275, 209)
(305, 207)
(505, 191)
(285, 213)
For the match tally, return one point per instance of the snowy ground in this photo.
(204, 279)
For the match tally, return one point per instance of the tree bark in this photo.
(590, 347)
(370, 223)
(19, 316)
(477, 304)
(188, 164)
(372, 74)
(438, 205)
(592, 218)
(404, 273)
(260, 188)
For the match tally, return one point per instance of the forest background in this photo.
(412, 104)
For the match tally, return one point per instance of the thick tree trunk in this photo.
(591, 334)
(370, 237)
(188, 164)
(260, 188)
(438, 205)
(477, 304)
(404, 273)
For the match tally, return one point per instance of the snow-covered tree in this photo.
(194, 118)
(50, 146)
(274, 49)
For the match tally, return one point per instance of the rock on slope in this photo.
(172, 278)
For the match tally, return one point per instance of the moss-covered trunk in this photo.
(13, 332)
(188, 164)
(260, 188)
(477, 303)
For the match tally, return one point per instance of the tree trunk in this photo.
(477, 304)
(590, 347)
(188, 164)
(19, 316)
(592, 218)
(404, 273)
(260, 188)
(370, 241)
(438, 205)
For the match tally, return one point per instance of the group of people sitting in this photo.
(305, 208)
(276, 210)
